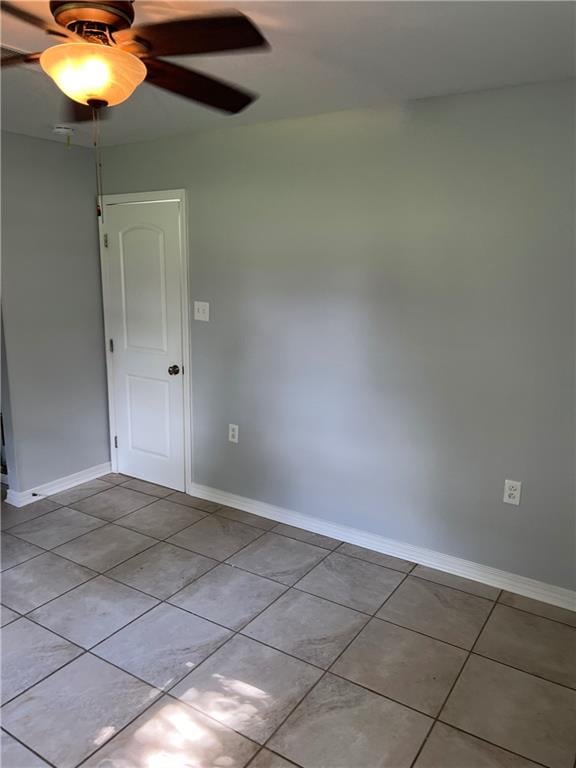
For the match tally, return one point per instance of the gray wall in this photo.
(8, 449)
(52, 311)
(392, 320)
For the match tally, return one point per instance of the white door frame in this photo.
(139, 198)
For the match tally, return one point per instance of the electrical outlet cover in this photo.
(512, 490)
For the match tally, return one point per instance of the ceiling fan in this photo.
(102, 58)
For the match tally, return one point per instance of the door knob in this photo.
(174, 370)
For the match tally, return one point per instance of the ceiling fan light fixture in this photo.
(91, 73)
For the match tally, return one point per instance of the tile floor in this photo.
(143, 628)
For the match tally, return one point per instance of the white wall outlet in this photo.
(202, 311)
(512, 490)
(233, 433)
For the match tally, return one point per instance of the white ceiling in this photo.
(326, 56)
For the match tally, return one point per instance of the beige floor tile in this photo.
(307, 627)
(15, 515)
(113, 503)
(267, 759)
(115, 478)
(150, 488)
(229, 596)
(516, 711)
(403, 665)
(388, 561)
(193, 501)
(279, 558)
(30, 653)
(70, 714)
(540, 609)
(532, 643)
(216, 537)
(43, 578)
(449, 748)
(161, 519)
(307, 536)
(371, 711)
(162, 570)
(441, 612)
(93, 611)
(352, 582)
(106, 547)
(15, 755)
(82, 491)
(248, 687)
(172, 735)
(56, 527)
(339, 725)
(457, 582)
(163, 646)
(16, 551)
(231, 513)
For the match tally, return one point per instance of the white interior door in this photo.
(144, 287)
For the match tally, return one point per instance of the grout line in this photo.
(479, 738)
(263, 750)
(33, 557)
(356, 557)
(310, 533)
(519, 669)
(167, 690)
(84, 652)
(456, 589)
(343, 605)
(540, 615)
(51, 600)
(103, 522)
(457, 678)
(123, 728)
(28, 748)
(8, 528)
(93, 570)
(222, 509)
(168, 597)
(324, 671)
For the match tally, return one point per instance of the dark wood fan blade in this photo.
(10, 59)
(35, 21)
(202, 34)
(196, 86)
(74, 112)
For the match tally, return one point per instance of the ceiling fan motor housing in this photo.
(116, 14)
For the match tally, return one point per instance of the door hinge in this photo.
(105, 240)
(111, 345)
(115, 441)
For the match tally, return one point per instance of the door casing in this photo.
(142, 198)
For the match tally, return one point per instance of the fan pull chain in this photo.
(98, 156)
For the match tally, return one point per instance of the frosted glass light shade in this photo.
(89, 71)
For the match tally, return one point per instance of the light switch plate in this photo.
(202, 311)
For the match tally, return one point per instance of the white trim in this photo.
(139, 198)
(22, 498)
(521, 585)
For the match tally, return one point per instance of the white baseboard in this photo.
(21, 498)
(521, 585)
